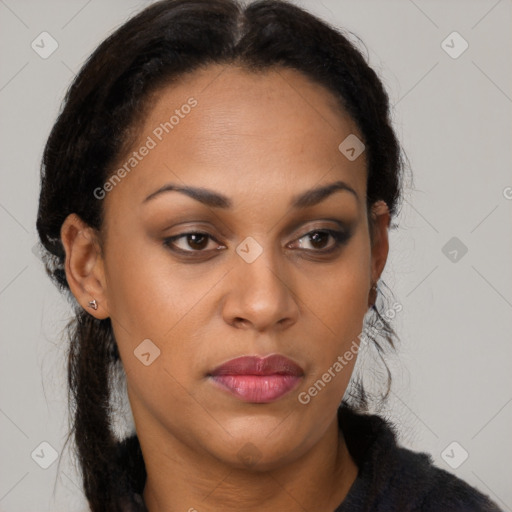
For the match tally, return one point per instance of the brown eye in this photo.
(195, 241)
(319, 239)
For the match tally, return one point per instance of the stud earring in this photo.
(93, 304)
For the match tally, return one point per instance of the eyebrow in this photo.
(214, 199)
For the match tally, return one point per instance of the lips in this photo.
(251, 365)
(258, 379)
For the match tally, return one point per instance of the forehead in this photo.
(223, 127)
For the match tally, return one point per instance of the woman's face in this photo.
(261, 275)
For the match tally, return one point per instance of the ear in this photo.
(84, 265)
(380, 242)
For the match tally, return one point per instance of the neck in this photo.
(179, 478)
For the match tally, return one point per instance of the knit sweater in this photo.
(392, 478)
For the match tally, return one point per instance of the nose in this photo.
(261, 294)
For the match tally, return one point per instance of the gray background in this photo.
(453, 115)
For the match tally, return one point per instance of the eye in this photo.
(196, 240)
(318, 239)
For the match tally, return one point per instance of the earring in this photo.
(373, 295)
(93, 304)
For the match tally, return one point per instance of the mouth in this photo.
(257, 379)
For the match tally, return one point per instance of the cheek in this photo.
(339, 316)
(152, 298)
(337, 301)
(145, 296)
(338, 294)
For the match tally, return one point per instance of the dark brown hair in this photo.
(102, 110)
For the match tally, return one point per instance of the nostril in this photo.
(238, 322)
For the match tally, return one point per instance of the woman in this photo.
(216, 196)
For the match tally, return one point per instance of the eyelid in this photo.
(320, 226)
(341, 236)
(294, 232)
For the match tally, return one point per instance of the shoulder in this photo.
(392, 477)
(432, 489)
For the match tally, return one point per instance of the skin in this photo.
(259, 139)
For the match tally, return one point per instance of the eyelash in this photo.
(340, 238)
